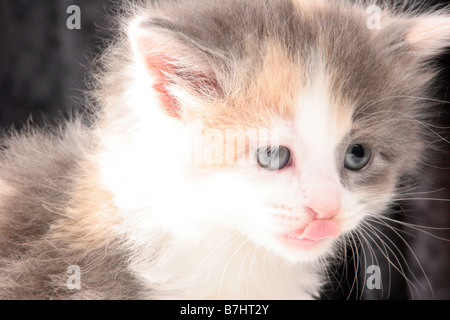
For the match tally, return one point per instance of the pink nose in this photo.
(322, 212)
(323, 199)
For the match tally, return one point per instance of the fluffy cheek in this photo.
(275, 243)
(219, 203)
(362, 205)
(273, 210)
(228, 204)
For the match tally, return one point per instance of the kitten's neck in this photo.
(231, 269)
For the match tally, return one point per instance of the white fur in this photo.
(216, 235)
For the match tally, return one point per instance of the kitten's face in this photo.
(287, 129)
(293, 185)
(292, 176)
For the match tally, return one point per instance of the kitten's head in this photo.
(284, 122)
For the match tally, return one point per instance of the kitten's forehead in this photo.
(304, 49)
(273, 90)
(275, 59)
(294, 90)
(322, 118)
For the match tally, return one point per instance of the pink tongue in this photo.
(321, 229)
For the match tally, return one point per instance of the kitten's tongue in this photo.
(321, 229)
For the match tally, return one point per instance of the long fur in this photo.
(120, 197)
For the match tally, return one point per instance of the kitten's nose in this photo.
(323, 199)
(321, 213)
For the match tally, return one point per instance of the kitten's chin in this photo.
(298, 250)
(310, 242)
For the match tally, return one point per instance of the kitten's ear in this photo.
(177, 64)
(429, 35)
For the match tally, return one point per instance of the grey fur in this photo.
(42, 168)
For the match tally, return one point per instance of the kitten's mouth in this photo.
(315, 232)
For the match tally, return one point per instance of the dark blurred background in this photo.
(43, 66)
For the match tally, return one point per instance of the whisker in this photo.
(387, 248)
(228, 263)
(223, 238)
(355, 282)
(427, 199)
(355, 266)
(373, 102)
(425, 192)
(373, 257)
(416, 227)
(345, 265)
(412, 252)
(379, 234)
(253, 259)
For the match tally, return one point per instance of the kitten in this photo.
(235, 145)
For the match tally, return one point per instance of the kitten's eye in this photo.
(357, 156)
(273, 157)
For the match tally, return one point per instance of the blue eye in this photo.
(273, 157)
(357, 156)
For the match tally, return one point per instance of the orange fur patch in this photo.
(309, 6)
(343, 115)
(5, 189)
(271, 92)
(91, 216)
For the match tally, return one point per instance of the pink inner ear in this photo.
(199, 78)
(160, 65)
